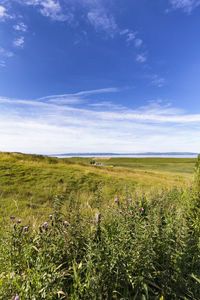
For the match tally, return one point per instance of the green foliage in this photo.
(108, 236)
(28, 183)
(197, 175)
(145, 247)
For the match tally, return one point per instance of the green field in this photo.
(129, 229)
(28, 183)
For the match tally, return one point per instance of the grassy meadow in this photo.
(72, 230)
(28, 183)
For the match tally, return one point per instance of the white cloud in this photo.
(141, 58)
(2, 63)
(130, 35)
(101, 21)
(49, 8)
(138, 43)
(52, 9)
(186, 5)
(19, 42)
(5, 53)
(43, 127)
(76, 98)
(20, 27)
(3, 13)
(158, 81)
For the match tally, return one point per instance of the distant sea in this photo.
(170, 155)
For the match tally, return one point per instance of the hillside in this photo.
(28, 183)
(72, 230)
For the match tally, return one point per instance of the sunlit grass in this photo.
(28, 183)
(74, 231)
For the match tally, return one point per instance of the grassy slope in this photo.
(144, 248)
(28, 183)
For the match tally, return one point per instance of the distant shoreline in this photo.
(126, 155)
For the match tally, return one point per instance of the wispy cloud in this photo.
(141, 58)
(20, 27)
(129, 34)
(3, 13)
(100, 126)
(76, 98)
(5, 53)
(158, 81)
(2, 63)
(19, 42)
(52, 9)
(138, 43)
(49, 8)
(100, 20)
(185, 5)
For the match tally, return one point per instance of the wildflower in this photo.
(26, 229)
(116, 200)
(141, 209)
(50, 217)
(16, 298)
(12, 217)
(19, 221)
(45, 225)
(65, 223)
(130, 200)
(121, 211)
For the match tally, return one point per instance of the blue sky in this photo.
(99, 76)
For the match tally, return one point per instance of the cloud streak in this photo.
(19, 43)
(20, 27)
(186, 5)
(49, 8)
(141, 58)
(42, 126)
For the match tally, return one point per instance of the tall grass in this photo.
(140, 246)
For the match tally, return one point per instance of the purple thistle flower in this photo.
(141, 209)
(12, 217)
(19, 221)
(65, 223)
(16, 298)
(45, 225)
(121, 211)
(50, 217)
(116, 200)
(26, 229)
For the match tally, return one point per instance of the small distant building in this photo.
(95, 163)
